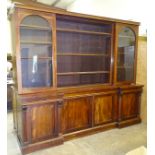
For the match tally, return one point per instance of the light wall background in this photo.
(142, 74)
(8, 35)
(121, 9)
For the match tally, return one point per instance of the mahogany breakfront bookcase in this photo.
(75, 75)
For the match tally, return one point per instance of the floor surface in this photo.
(112, 142)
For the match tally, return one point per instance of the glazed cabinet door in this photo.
(105, 108)
(76, 114)
(35, 51)
(126, 49)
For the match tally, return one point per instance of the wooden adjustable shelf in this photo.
(82, 54)
(82, 31)
(34, 27)
(35, 42)
(77, 73)
(37, 58)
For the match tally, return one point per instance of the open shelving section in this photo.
(83, 51)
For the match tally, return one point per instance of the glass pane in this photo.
(126, 52)
(70, 80)
(35, 21)
(123, 73)
(35, 35)
(36, 73)
(30, 50)
(36, 52)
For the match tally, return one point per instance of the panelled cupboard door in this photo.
(36, 51)
(125, 53)
(42, 122)
(76, 114)
(130, 103)
(39, 122)
(105, 108)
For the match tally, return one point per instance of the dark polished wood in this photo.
(129, 106)
(89, 131)
(41, 145)
(105, 108)
(76, 114)
(83, 70)
(42, 124)
(129, 122)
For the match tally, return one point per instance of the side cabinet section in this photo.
(129, 106)
(38, 122)
(38, 125)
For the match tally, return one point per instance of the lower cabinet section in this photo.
(81, 112)
(38, 124)
(45, 122)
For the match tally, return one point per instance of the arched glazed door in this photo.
(35, 51)
(126, 55)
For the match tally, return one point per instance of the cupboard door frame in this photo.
(35, 122)
(68, 126)
(137, 102)
(114, 109)
(118, 28)
(20, 14)
(28, 118)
